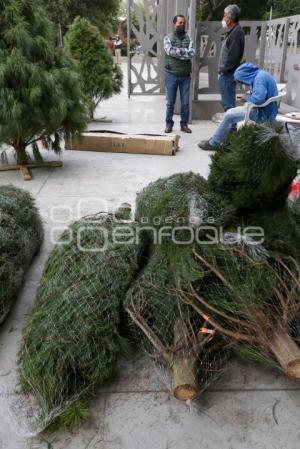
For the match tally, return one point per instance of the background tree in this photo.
(100, 77)
(207, 8)
(214, 9)
(284, 8)
(39, 90)
(102, 13)
(58, 12)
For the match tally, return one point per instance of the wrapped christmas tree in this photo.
(170, 331)
(250, 298)
(244, 284)
(71, 340)
(21, 234)
(257, 172)
(255, 176)
(182, 200)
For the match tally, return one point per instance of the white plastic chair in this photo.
(281, 94)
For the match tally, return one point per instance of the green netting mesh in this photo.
(21, 234)
(258, 170)
(170, 331)
(252, 299)
(71, 340)
(183, 199)
(280, 230)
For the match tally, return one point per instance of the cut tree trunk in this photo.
(184, 378)
(21, 154)
(287, 354)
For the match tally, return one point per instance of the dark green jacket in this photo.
(173, 42)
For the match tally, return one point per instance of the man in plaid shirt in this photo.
(179, 49)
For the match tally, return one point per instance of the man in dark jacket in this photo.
(179, 49)
(231, 55)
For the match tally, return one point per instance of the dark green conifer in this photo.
(100, 77)
(39, 91)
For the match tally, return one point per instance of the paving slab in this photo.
(241, 420)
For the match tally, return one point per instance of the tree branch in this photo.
(140, 322)
(219, 312)
(213, 270)
(235, 335)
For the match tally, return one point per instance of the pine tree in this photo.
(100, 77)
(39, 90)
(102, 13)
(283, 8)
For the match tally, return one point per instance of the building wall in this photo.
(273, 45)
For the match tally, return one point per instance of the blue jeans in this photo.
(227, 87)
(173, 82)
(231, 117)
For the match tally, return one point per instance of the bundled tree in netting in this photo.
(255, 176)
(257, 172)
(182, 200)
(21, 234)
(71, 340)
(278, 229)
(252, 299)
(170, 331)
(100, 77)
(248, 187)
(175, 212)
(39, 89)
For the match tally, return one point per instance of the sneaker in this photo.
(206, 146)
(168, 130)
(186, 129)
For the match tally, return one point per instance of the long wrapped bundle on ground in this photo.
(253, 300)
(257, 173)
(71, 341)
(21, 234)
(169, 330)
(180, 200)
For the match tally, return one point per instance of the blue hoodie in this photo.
(263, 86)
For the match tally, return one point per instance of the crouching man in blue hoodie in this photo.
(263, 87)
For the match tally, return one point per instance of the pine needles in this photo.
(72, 339)
(169, 330)
(257, 172)
(40, 92)
(251, 301)
(182, 200)
(21, 235)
